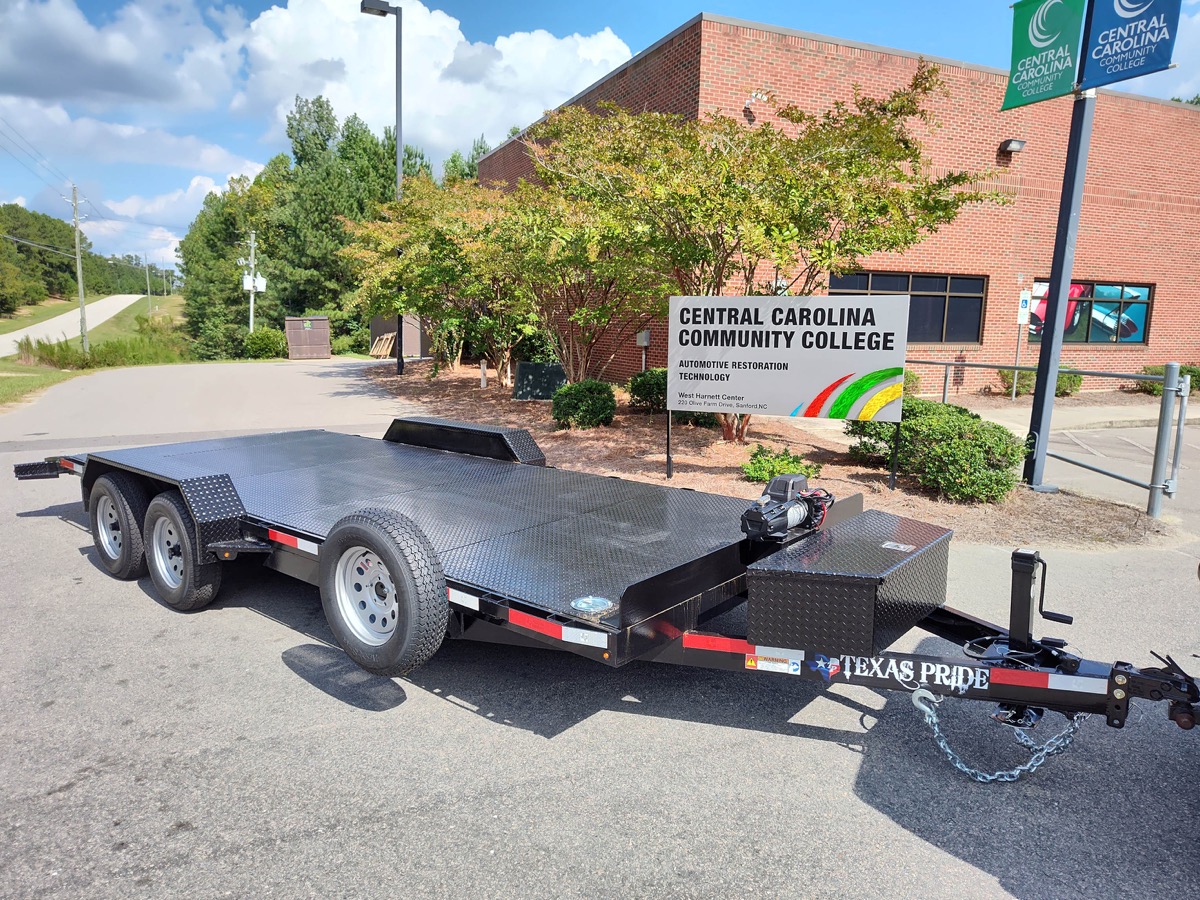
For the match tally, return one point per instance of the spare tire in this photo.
(383, 591)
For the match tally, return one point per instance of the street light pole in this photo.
(384, 9)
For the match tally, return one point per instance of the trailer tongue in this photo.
(445, 528)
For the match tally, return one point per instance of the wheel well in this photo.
(96, 468)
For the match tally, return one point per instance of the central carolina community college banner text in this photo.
(1045, 47)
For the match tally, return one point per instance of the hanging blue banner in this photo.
(1129, 38)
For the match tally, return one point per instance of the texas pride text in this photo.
(846, 328)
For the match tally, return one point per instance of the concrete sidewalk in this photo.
(1085, 418)
(67, 324)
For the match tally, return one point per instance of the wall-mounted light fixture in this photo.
(762, 95)
(1012, 145)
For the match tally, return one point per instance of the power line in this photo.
(36, 174)
(61, 252)
(37, 155)
(46, 247)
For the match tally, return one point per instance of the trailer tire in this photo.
(392, 620)
(117, 507)
(181, 580)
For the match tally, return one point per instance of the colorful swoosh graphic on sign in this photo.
(855, 392)
(814, 409)
(880, 400)
(851, 395)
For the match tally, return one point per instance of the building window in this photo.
(1097, 312)
(943, 308)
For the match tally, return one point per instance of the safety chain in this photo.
(927, 703)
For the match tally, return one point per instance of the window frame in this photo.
(945, 295)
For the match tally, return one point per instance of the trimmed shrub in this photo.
(536, 347)
(265, 342)
(1064, 387)
(1068, 385)
(765, 464)
(949, 449)
(343, 344)
(584, 404)
(1155, 388)
(648, 391)
(912, 383)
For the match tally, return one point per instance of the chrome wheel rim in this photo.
(366, 596)
(108, 528)
(166, 552)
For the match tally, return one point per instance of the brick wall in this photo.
(1141, 213)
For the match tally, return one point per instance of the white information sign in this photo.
(821, 357)
(1024, 308)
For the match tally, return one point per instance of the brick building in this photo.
(1137, 261)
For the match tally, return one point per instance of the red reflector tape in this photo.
(280, 538)
(1019, 678)
(533, 623)
(693, 641)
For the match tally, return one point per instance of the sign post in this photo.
(1022, 324)
(817, 357)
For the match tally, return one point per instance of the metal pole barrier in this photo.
(946, 386)
(1180, 423)
(670, 464)
(895, 458)
(1162, 441)
(1017, 362)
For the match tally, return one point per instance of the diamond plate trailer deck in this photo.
(498, 547)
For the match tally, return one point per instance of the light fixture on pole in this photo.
(383, 9)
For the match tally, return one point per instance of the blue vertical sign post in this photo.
(1121, 39)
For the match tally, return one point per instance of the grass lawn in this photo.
(124, 323)
(17, 381)
(48, 309)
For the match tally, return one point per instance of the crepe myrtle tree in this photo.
(715, 199)
(434, 254)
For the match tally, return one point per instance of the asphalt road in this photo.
(235, 752)
(67, 324)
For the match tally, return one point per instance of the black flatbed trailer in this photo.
(445, 528)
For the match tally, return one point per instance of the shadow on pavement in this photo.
(70, 513)
(329, 670)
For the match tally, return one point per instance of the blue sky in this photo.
(150, 104)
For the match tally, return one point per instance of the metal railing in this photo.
(1166, 455)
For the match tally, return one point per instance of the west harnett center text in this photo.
(779, 327)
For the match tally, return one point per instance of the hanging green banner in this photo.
(1045, 49)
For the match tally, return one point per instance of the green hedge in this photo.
(265, 342)
(584, 404)
(1155, 388)
(1064, 387)
(947, 448)
(648, 391)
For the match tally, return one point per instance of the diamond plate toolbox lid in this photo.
(853, 588)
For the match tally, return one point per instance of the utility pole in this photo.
(149, 302)
(253, 278)
(79, 269)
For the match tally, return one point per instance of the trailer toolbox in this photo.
(851, 589)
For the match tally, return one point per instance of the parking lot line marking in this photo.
(1080, 443)
(1135, 444)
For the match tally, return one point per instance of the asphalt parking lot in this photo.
(236, 752)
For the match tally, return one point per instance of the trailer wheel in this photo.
(383, 591)
(117, 507)
(181, 580)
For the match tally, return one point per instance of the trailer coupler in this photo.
(1168, 682)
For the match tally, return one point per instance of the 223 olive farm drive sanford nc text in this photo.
(822, 357)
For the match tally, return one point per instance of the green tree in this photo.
(416, 163)
(593, 281)
(722, 202)
(461, 168)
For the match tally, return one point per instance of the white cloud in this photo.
(454, 90)
(175, 206)
(99, 141)
(20, 201)
(109, 236)
(154, 51)
(1184, 80)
